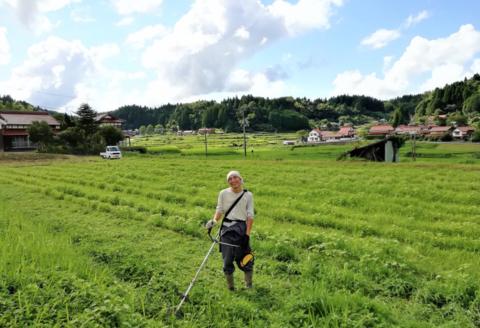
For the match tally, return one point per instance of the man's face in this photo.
(234, 182)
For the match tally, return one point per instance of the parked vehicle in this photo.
(111, 152)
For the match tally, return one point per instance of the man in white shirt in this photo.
(236, 227)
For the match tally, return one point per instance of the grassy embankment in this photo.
(96, 242)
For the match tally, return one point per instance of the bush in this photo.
(446, 137)
(476, 136)
(138, 149)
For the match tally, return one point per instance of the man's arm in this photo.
(217, 216)
(249, 225)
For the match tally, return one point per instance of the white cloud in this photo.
(415, 19)
(32, 13)
(381, 38)
(242, 33)
(54, 69)
(125, 21)
(475, 68)
(204, 48)
(438, 58)
(140, 38)
(305, 14)
(4, 47)
(128, 7)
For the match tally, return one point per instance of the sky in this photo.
(58, 54)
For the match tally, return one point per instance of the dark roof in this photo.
(27, 118)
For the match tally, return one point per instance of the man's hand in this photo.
(210, 224)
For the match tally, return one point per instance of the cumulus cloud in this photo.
(415, 19)
(201, 53)
(4, 47)
(140, 38)
(439, 59)
(305, 14)
(53, 70)
(381, 38)
(32, 13)
(128, 7)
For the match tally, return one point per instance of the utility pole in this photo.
(414, 147)
(244, 137)
(206, 147)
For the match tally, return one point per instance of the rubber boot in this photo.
(230, 284)
(248, 279)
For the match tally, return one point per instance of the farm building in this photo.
(411, 129)
(381, 151)
(463, 132)
(439, 131)
(206, 131)
(108, 119)
(14, 125)
(345, 132)
(381, 130)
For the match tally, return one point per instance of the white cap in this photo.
(234, 174)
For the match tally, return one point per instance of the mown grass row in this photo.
(388, 275)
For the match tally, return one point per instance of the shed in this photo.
(381, 151)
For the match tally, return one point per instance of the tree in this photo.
(87, 119)
(159, 129)
(142, 130)
(41, 133)
(149, 130)
(472, 104)
(111, 135)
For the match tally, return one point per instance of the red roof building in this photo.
(463, 132)
(411, 129)
(14, 125)
(381, 130)
(438, 131)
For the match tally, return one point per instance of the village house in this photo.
(411, 130)
(345, 132)
(439, 131)
(314, 136)
(14, 128)
(104, 119)
(463, 132)
(381, 130)
(186, 132)
(206, 131)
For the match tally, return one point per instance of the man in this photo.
(236, 227)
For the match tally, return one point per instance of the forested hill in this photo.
(7, 103)
(460, 100)
(262, 114)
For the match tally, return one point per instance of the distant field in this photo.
(85, 241)
(269, 146)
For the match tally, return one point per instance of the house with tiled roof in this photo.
(463, 132)
(411, 129)
(14, 128)
(439, 131)
(381, 130)
(108, 119)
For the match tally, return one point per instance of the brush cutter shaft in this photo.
(195, 278)
(215, 240)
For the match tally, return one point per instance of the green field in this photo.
(90, 242)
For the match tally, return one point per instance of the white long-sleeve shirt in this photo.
(244, 208)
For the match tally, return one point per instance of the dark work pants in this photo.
(233, 235)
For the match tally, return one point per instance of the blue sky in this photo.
(60, 53)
